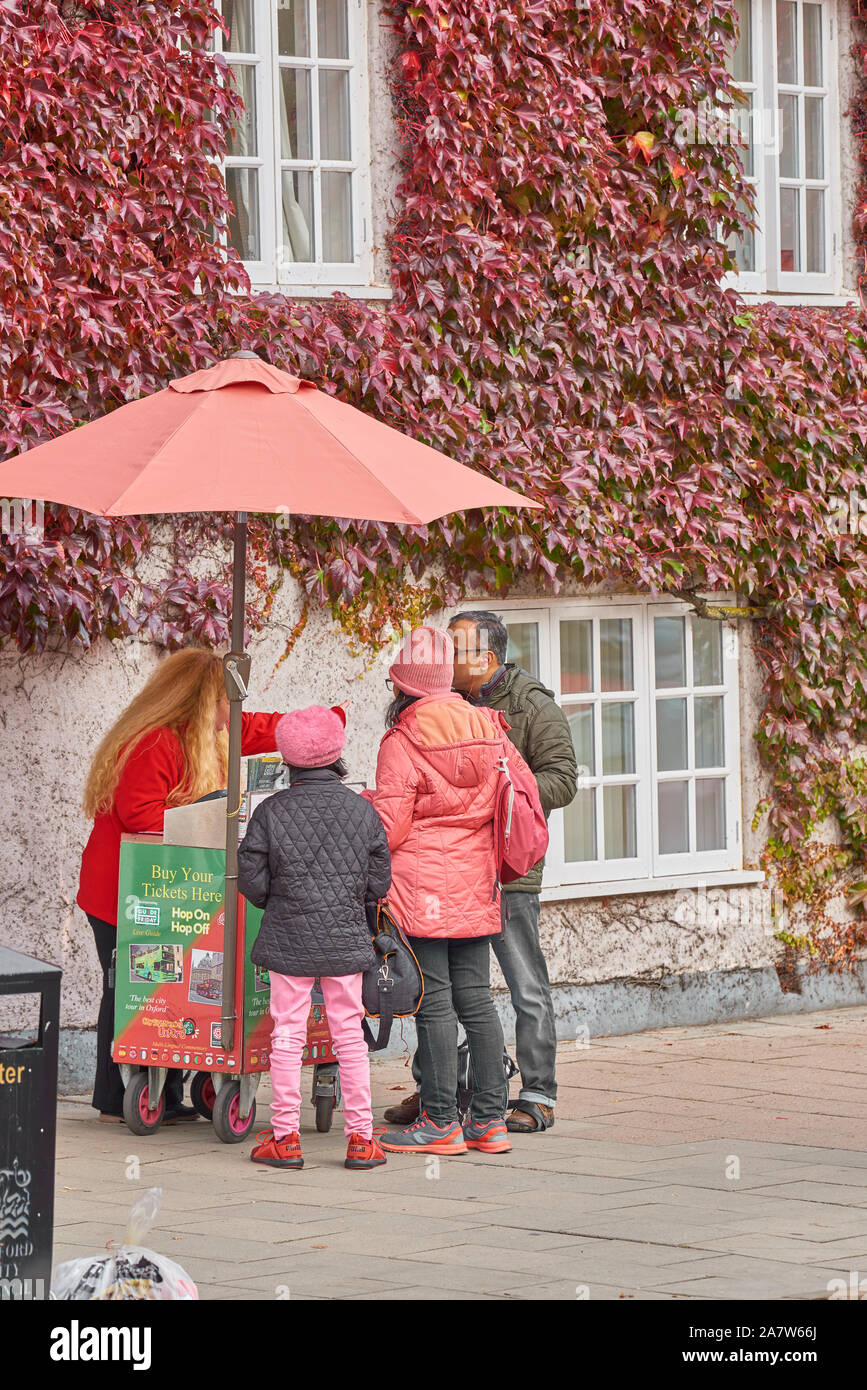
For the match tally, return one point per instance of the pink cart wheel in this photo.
(226, 1115)
(203, 1094)
(139, 1118)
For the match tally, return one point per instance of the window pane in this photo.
(238, 17)
(706, 652)
(709, 742)
(816, 231)
(618, 739)
(787, 41)
(615, 653)
(789, 154)
(334, 141)
(576, 657)
(671, 747)
(745, 131)
(710, 819)
(670, 648)
(242, 186)
(814, 137)
(580, 719)
(293, 39)
(743, 245)
(673, 817)
(579, 824)
(790, 230)
(332, 29)
(297, 195)
(523, 646)
(813, 45)
(242, 135)
(337, 217)
(295, 120)
(742, 64)
(618, 809)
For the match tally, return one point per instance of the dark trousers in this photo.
(457, 986)
(108, 1084)
(519, 953)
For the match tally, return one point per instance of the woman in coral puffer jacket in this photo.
(436, 786)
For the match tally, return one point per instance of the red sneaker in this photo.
(364, 1153)
(278, 1153)
(424, 1137)
(491, 1138)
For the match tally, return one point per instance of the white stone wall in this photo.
(54, 709)
(849, 79)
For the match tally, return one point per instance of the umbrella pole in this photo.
(236, 668)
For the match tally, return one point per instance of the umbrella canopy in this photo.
(244, 436)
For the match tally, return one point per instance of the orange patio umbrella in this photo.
(244, 437)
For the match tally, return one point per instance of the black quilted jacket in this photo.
(312, 856)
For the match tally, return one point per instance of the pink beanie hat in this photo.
(425, 662)
(312, 737)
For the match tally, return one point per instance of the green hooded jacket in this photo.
(540, 731)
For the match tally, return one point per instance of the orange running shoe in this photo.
(364, 1153)
(278, 1153)
(424, 1137)
(491, 1138)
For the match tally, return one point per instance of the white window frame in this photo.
(597, 871)
(271, 270)
(648, 869)
(768, 278)
(698, 860)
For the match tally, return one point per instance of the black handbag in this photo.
(465, 1078)
(394, 986)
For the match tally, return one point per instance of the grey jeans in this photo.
(519, 952)
(457, 986)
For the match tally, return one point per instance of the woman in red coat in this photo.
(436, 788)
(168, 748)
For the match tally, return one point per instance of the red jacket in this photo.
(155, 766)
(436, 784)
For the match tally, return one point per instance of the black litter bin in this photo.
(28, 1127)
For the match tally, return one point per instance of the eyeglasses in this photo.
(389, 685)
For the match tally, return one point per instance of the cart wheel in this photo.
(324, 1112)
(139, 1118)
(203, 1094)
(226, 1114)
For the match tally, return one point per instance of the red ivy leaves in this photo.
(558, 321)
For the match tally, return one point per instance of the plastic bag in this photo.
(129, 1270)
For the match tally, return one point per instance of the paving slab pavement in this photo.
(726, 1161)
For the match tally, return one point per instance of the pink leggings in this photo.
(290, 1007)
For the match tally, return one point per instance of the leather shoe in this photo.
(174, 1113)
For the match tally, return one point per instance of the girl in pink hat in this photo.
(436, 785)
(313, 855)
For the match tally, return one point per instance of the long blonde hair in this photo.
(181, 695)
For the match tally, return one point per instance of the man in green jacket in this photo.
(540, 731)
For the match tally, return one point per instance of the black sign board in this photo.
(28, 1126)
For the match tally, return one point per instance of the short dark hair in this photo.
(490, 629)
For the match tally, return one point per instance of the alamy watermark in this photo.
(847, 513)
(753, 127)
(22, 518)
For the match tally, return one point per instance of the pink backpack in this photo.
(520, 828)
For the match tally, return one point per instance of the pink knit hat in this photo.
(425, 662)
(312, 737)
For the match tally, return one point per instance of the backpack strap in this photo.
(385, 989)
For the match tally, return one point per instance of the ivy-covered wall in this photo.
(558, 320)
